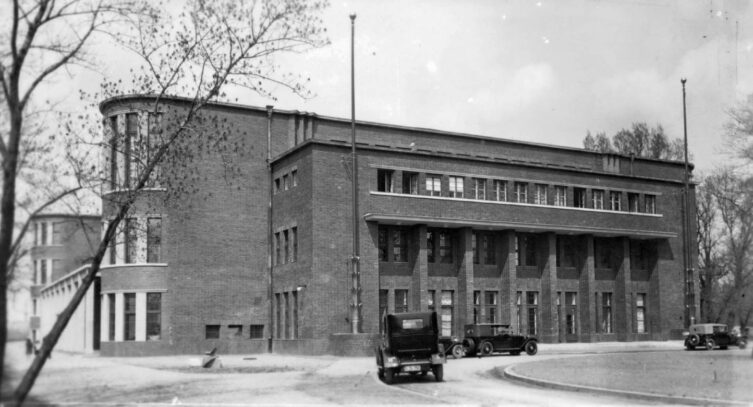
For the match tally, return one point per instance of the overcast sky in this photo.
(533, 70)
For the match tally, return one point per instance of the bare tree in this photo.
(711, 267)
(639, 140)
(196, 55)
(739, 129)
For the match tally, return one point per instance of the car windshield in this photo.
(720, 328)
(409, 324)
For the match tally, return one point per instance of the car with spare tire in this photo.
(711, 336)
(410, 345)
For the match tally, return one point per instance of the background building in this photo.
(563, 243)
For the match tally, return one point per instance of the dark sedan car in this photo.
(486, 339)
(711, 336)
(410, 344)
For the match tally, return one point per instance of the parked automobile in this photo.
(453, 346)
(713, 335)
(486, 339)
(410, 344)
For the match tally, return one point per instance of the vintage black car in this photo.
(410, 344)
(486, 339)
(711, 336)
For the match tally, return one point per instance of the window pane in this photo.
(153, 240)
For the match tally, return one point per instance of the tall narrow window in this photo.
(431, 300)
(603, 255)
(285, 182)
(410, 183)
(401, 300)
(383, 299)
(287, 315)
(295, 314)
(565, 251)
(294, 178)
(111, 314)
(519, 310)
(153, 316)
(130, 166)
(633, 202)
(445, 247)
(477, 307)
(487, 246)
(606, 313)
(500, 190)
(399, 245)
(384, 180)
(527, 249)
(285, 246)
(434, 185)
(131, 236)
(614, 201)
(491, 298)
(446, 312)
(532, 303)
(650, 203)
(521, 192)
(541, 195)
(560, 195)
(154, 240)
(294, 248)
(479, 188)
(640, 313)
(57, 232)
(383, 247)
(597, 199)
(456, 187)
(278, 315)
(114, 153)
(43, 270)
(36, 234)
(129, 317)
(430, 246)
(43, 241)
(475, 247)
(153, 143)
(571, 312)
(278, 249)
(579, 197)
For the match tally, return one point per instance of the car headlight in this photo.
(391, 361)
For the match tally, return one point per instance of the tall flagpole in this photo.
(355, 319)
(689, 301)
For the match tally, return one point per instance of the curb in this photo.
(508, 373)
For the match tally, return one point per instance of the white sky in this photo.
(533, 70)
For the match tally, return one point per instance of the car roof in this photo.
(707, 324)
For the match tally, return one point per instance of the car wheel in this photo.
(532, 348)
(389, 375)
(380, 373)
(470, 347)
(486, 348)
(438, 371)
(458, 351)
(710, 344)
(694, 340)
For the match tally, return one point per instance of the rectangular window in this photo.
(579, 197)
(57, 231)
(475, 247)
(278, 249)
(633, 202)
(446, 312)
(500, 190)
(491, 298)
(532, 302)
(384, 180)
(430, 246)
(212, 332)
(153, 316)
(410, 183)
(111, 321)
(521, 192)
(519, 310)
(445, 247)
(256, 332)
(597, 199)
(401, 300)
(44, 241)
(640, 313)
(286, 300)
(603, 253)
(114, 152)
(131, 236)
(383, 299)
(153, 240)
(571, 313)
(277, 186)
(560, 195)
(606, 313)
(129, 317)
(130, 149)
(641, 255)
(434, 185)
(294, 178)
(566, 251)
(541, 197)
(479, 188)
(43, 270)
(36, 234)
(278, 315)
(487, 247)
(477, 307)
(650, 203)
(431, 299)
(153, 143)
(285, 246)
(294, 244)
(383, 253)
(527, 251)
(285, 182)
(399, 245)
(614, 201)
(295, 314)
(456, 187)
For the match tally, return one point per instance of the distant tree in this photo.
(710, 264)
(739, 130)
(639, 140)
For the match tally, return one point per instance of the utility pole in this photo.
(689, 290)
(355, 319)
(270, 292)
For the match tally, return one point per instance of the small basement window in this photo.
(212, 332)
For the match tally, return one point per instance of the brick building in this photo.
(566, 244)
